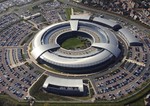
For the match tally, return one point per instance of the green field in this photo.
(68, 13)
(6, 100)
(73, 43)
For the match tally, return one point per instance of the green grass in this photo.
(72, 43)
(2, 1)
(6, 100)
(91, 90)
(78, 10)
(74, 104)
(34, 90)
(38, 93)
(135, 100)
(30, 47)
(29, 65)
(68, 13)
(139, 102)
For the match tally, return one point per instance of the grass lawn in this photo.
(139, 102)
(6, 100)
(68, 13)
(72, 43)
(34, 90)
(78, 10)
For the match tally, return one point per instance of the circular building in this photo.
(93, 46)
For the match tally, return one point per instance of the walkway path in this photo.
(136, 62)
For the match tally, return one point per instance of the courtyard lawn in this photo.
(73, 43)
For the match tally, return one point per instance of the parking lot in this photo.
(130, 75)
(17, 72)
(17, 80)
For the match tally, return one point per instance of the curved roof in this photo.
(74, 25)
(108, 44)
(82, 17)
(130, 38)
(112, 37)
(76, 62)
(105, 21)
(63, 82)
(37, 39)
(38, 51)
(111, 48)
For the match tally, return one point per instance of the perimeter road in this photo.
(94, 10)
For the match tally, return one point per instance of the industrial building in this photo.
(63, 86)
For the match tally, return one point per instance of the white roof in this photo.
(64, 82)
(111, 48)
(112, 38)
(36, 52)
(78, 1)
(82, 17)
(76, 62)
(130, 38)
(37, 40)
(105, 21)
(74, 25)
(65, 61)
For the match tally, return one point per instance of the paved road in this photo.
(107, 14)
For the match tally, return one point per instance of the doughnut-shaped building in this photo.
(102, 50)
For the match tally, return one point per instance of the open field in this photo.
(6, 100)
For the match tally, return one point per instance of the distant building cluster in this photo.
(10, 3)
(137, 10)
